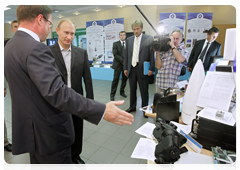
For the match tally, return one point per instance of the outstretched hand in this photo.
(115, 115)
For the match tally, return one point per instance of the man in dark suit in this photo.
(41, 102)
(138, 50)
(14, 28)
(204, 49)
(73, 64)
(118, 50)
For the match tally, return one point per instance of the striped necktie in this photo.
(135, 53)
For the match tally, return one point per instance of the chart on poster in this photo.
(168, 22)
(95, 40)
(112, 27)
(197, 26)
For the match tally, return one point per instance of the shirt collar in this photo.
(206, 41)
(32, 34)
(61, 48)
(139, 37)
(122, 41)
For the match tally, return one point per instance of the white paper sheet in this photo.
(185, 128)
(146, 130)
(210, 113)
(216, 91)
(182, 84)
(144, 149)
(194, 158)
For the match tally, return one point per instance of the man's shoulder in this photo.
(217, 43)
(79, 50)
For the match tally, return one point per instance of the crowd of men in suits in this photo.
(48, 106)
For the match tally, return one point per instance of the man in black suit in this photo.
(14, 28)
(204, 49)
(73, 64)
(138, 50)
(118, 50)
(41, 101)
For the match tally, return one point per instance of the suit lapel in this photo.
(141, 43)
(58, 55)
(73, 55)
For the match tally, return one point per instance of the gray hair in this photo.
(179, 31)
(137, 22)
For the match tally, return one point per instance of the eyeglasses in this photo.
(51, 24)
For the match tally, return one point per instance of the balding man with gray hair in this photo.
(169, 63)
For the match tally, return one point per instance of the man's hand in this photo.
(189, 69)
(115, 115)
(126, 73)
(150, 73)
(171, 43)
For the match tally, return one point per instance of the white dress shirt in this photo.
(204, 45)
(32, 34)
(67, 59)
(139, 42)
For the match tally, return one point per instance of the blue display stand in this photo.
(102, 73)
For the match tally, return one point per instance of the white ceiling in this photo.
(64, 10)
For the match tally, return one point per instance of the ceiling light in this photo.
(6, 8)
(76, 13)
(9, 22)
(56, 11)
(120, 6)
(97, 9)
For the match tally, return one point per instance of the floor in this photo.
(105, 143)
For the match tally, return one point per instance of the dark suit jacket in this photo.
(117, 50)
(79, 69)
(214, 49)
(145, 53)
(41, 102)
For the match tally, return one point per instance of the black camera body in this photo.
(161, 43)
(168, 150)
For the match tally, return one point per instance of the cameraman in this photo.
(169, 63)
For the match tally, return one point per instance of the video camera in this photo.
(168, 149)
(160, 42)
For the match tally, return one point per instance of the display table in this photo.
(153, 166)
(102, 73)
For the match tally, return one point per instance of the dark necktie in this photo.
(123, 49)
(203, 52)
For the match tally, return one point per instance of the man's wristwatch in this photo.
(173, 48)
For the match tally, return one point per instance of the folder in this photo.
(146, 67)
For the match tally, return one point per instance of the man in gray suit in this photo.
(138, 50)
(74, 66)
(41, 102)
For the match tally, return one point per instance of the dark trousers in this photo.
(61, 157)
(134, 77)
(115, 82)
(76, 148)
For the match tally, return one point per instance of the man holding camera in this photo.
(169, 63)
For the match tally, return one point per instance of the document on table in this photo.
(185, 128)
(216, 91)
(196, 161)
(145, 149)
(146, 130)
(181, 84)
(210, 113)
